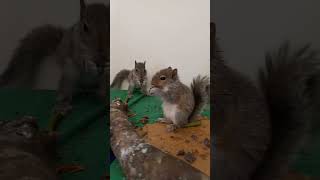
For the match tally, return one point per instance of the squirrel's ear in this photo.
(144, 62)
(82, 9)
(175, 73)
(135, 62)
(170, 67)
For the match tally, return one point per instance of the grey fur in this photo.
(200, 89)
(286, 84)
(262, 132)
(136, 77)
(82, 53)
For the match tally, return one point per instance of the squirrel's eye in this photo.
(162, 78)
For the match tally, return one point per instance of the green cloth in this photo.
(84, 133)
(140, 105)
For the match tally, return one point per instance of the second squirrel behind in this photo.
(180, 103)
(136, 77)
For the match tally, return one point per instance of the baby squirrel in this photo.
(180, 103)
(137, 78)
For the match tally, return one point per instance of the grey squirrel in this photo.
(82, 51)
(261, 130)
(25, 151)
(180, 103)
(137, 78)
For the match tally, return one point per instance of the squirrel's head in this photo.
(94, 32)
(140, 71)
(164, 77)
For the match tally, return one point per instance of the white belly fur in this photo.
(170, 111)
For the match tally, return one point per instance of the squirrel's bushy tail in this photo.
(119, 78)
(289, 91)
(35, 46)
(199, 87)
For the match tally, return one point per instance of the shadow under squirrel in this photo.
(261, 130)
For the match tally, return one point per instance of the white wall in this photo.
(162, 32)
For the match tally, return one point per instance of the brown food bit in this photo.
(144, 121)
(206, 142)
(194, 137)
(189, 157)
(180, 153)
(187, 141)
(171, 136)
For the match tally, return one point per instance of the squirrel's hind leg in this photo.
(180, 120)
